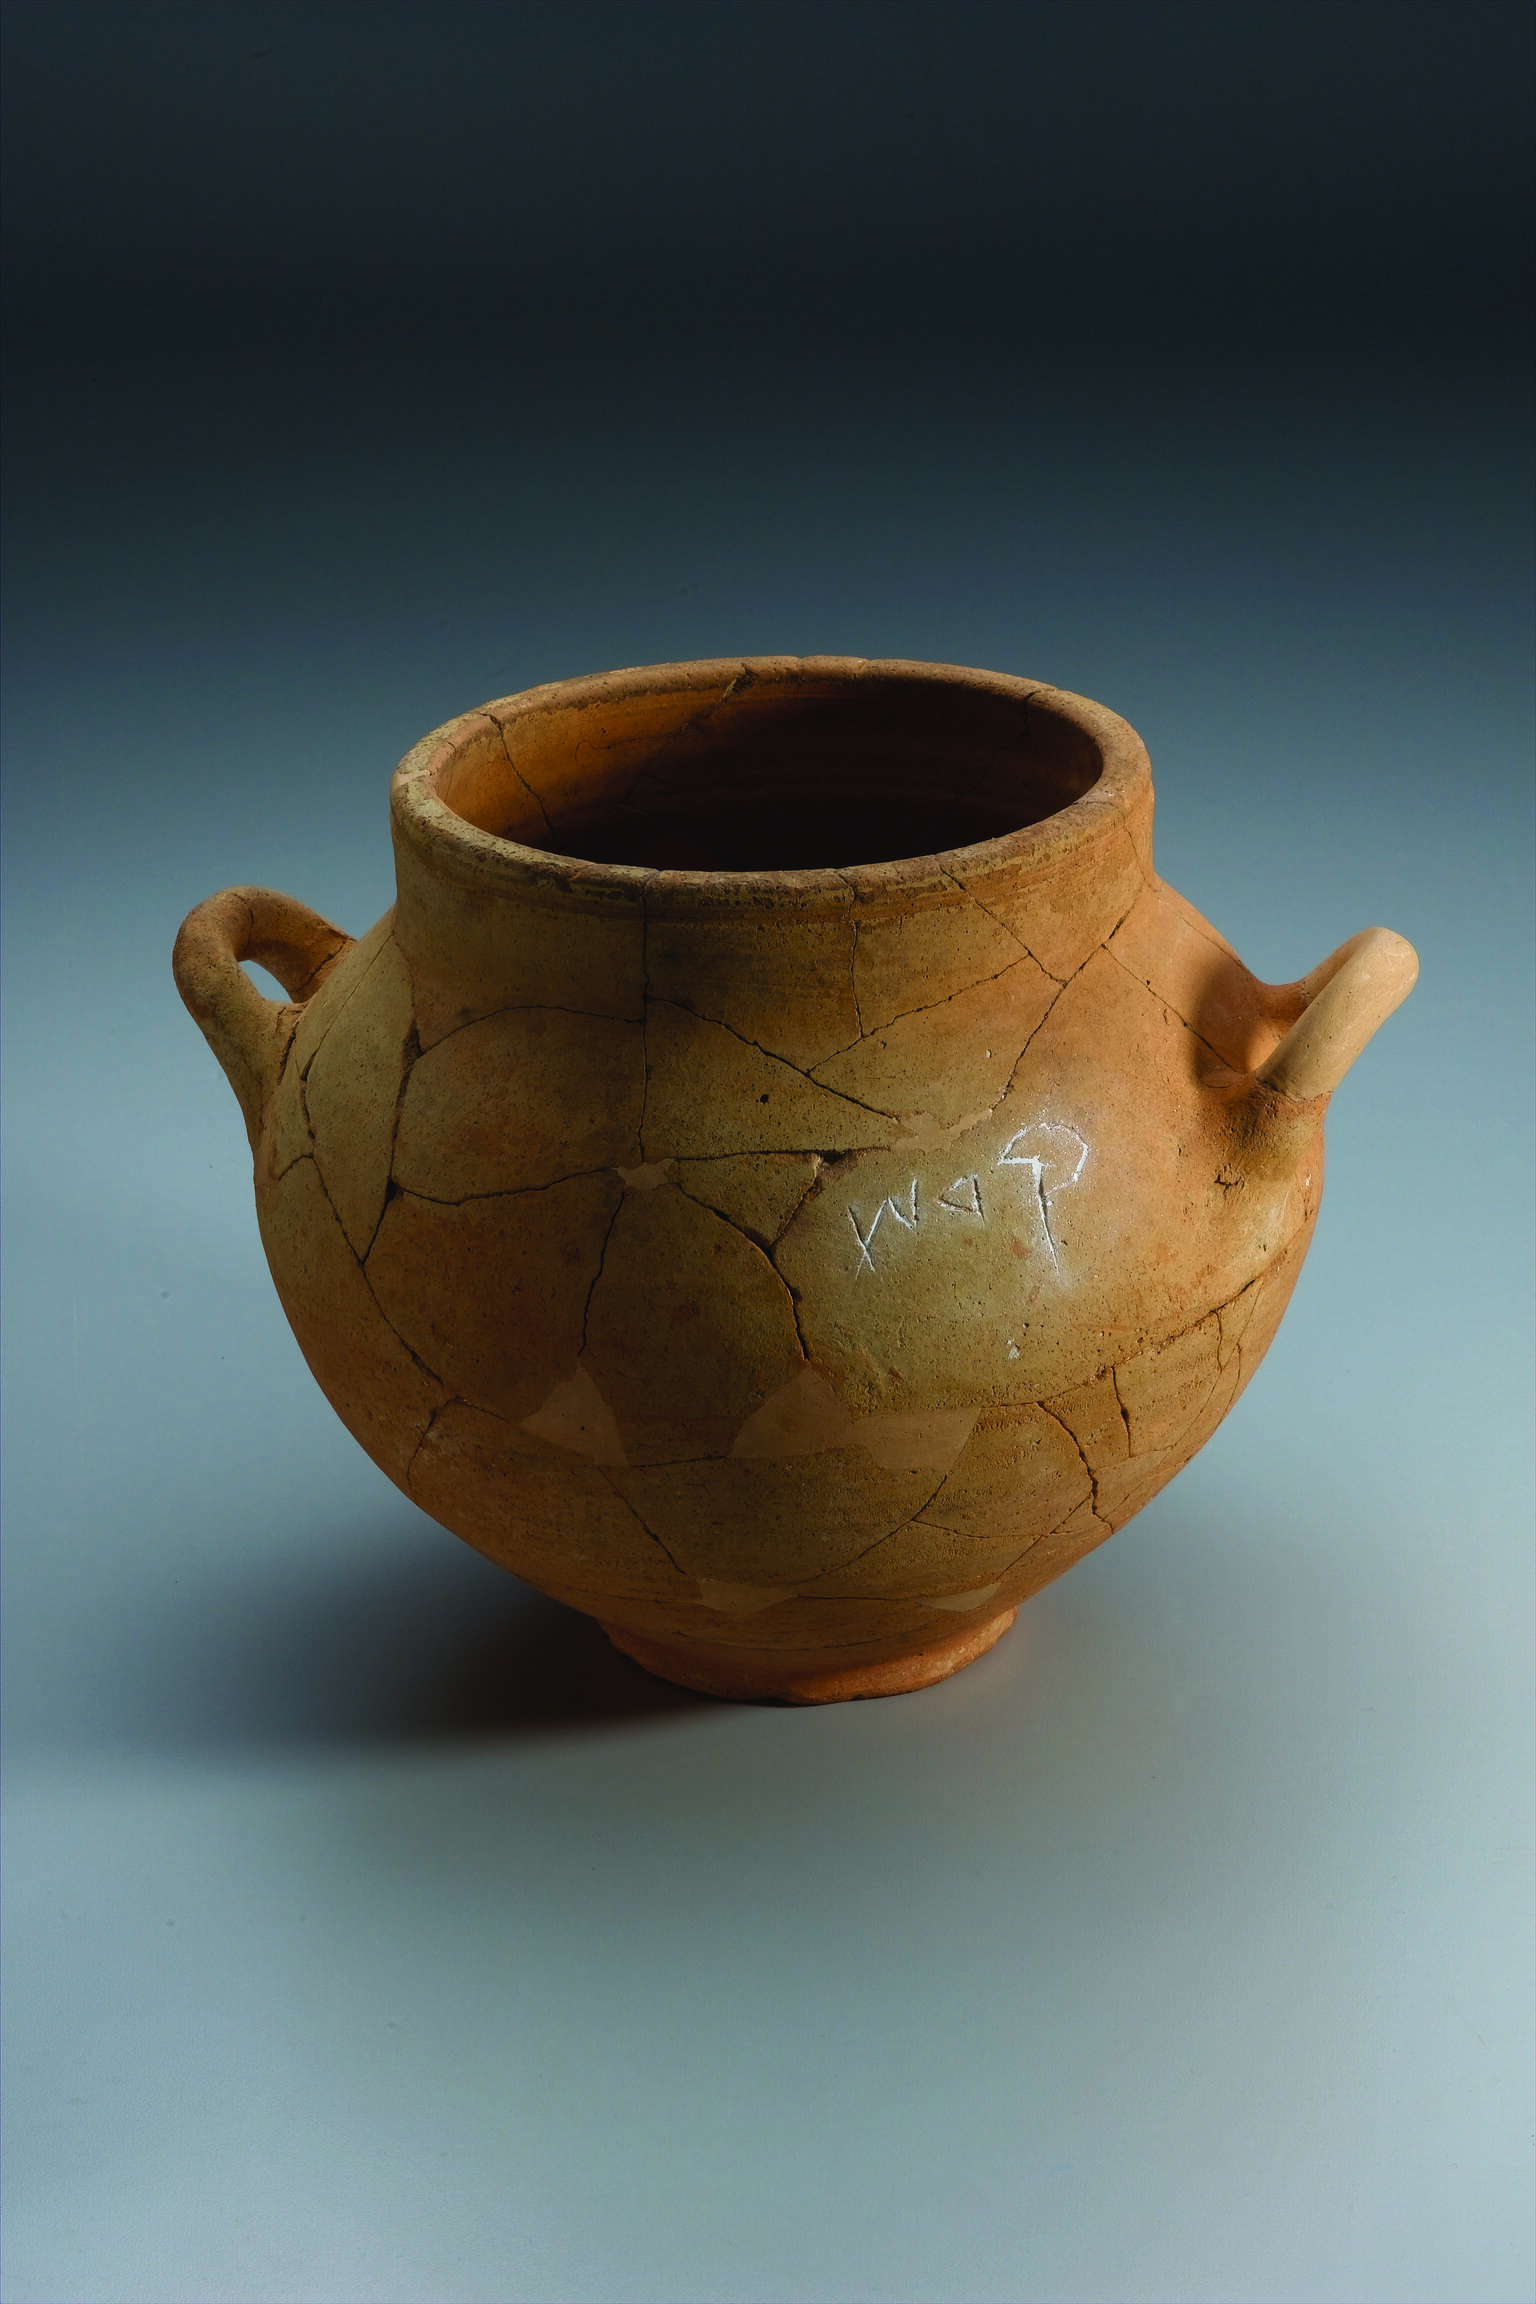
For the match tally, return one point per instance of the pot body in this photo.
(793, 1268)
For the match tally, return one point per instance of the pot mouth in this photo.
(812, 780)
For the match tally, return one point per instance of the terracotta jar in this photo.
(786, 1177)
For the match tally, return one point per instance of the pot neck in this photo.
(489, 918)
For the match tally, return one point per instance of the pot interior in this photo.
(772, 773)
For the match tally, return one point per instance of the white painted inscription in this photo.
(1050, 1152)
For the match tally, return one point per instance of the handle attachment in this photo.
(247, 1032)
(1348, 997)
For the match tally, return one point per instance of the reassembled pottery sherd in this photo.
(787, 1177)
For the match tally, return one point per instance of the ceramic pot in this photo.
(787, 1177)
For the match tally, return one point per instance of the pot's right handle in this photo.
(246, 1031)
(1348, 997)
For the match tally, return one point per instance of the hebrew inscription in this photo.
(1046, 1145)
(1049, 1155)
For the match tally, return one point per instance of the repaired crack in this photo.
(644, 1524)
(309, 1133)
(441, 1409)
(602, 1258)
(817, 1165)
(527, 1008)
(1064, 984)
(853, 983)
(1114, 1377)
(496, 1191)
(646, 784)
(522, 779)
(923, 1008)
(1029, 1043)
(755, 1242)
(302, 994)
(982, 905)
(346, 1004)
(1093, 1478)
(841, 1567)
(773, 1056)
(757, 1239)
(410, 1049)
(404, 1344)
(794, 1311)
(1147, 985)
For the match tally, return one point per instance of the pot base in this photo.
(755, 1675)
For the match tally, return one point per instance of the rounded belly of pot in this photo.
(802, 1396)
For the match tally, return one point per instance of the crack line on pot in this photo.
(309, 1136)
(743, 677)
(760, 1247)
(602, 1258)
(497, 1191)
(1146, 985)
(1064, 985)
(967, 1536)
(629, 1507)
(522, 779)
(1157, 1342)
(814, 1180)
(1125, 1417)
(410, 1049)
(527, 1008)
(773, 1056)
(1093, 1478)
(309, 1063)
(841, 1567)
(853, 982)
(306, 991)
(404, 1342)
(923, 1008)
(794, 1304)
(983, 906)
(757, 1240)
(458, 1401)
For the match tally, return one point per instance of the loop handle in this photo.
(246, 1031)
(1349, 996)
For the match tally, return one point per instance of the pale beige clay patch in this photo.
(689, 1328)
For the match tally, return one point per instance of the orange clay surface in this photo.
(786, 1178)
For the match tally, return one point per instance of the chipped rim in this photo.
(451, 847)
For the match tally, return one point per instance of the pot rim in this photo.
(452, 847)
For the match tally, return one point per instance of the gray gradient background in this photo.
(373, 1931)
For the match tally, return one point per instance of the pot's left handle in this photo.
(246, 1031)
